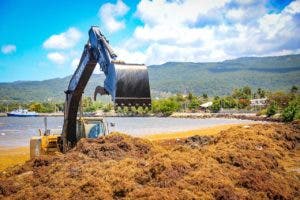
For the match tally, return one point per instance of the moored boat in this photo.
(22, 113)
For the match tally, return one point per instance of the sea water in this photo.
(17, 131)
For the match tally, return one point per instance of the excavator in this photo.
(127, 84)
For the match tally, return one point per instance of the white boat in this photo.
(22, 113)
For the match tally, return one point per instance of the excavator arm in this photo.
(128, 84)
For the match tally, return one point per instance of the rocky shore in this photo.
(246, 116)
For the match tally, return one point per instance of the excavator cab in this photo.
(91, 127)
(50, 141)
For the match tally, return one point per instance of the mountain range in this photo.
(212, 78)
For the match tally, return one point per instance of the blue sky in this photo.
(44, 39)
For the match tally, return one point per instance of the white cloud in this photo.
(130, 56)
(109, 14)
(64, 44)
(283, 52)
(245, 14)
(65, 40)
(272, 24)
(244, 2)
(9, 48)
(158, 12)
(236, 14)
(198, 30)
(57, 58)
(293, 7)
(180, 35)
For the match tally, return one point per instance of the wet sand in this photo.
(182, 134)
(13, 156)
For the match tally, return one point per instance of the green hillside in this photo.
(217, 78)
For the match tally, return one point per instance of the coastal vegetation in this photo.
(40, 107)
(280, 104)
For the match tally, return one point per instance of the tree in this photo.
(87, 101)
(239, 94)
(190, 96)
(261, 93)
(165, 106)
(247, 91)
(292, 111)
(243, 103)
(47, 107)
(242, 93)
(141, 110)
(194, 104)
(228, 102)
(216, 106)
(179, 98)
(59, 106)
(289, 113)
(281, 99)
(107, 107)
(294, 89)
(271, 109)
(37, 107)
(205, 96)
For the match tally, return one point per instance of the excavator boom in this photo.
(127, 84)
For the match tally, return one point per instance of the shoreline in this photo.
(191, 115)
(242, 116)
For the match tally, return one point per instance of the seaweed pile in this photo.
(243, 162)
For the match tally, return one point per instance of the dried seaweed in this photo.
(239, 163)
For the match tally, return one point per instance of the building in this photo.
(258, 102)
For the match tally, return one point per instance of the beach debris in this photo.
(199, 141)
(259, 147)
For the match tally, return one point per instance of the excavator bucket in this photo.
(128, 84)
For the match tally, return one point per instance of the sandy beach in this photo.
(182, 134)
